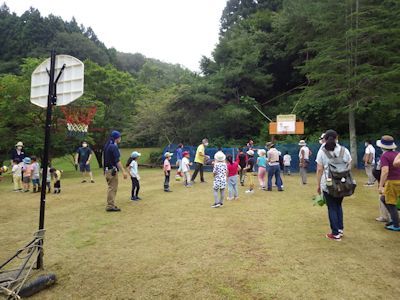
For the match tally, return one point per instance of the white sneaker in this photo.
(215, 205)
(230, 199)
(249, 191)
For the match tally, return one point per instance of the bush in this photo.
(156, 157)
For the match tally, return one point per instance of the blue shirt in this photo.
(83, 154)
(179, 155)
(262, 161)
(111, 155)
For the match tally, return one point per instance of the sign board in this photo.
(286, 124)
(69, 85)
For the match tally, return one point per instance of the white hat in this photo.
(250, 152)
(302, 143)
(386, 142)
(219, 156)
(261, 152)
(135, 154)
(168, 154)
(19, 144)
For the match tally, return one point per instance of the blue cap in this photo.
(27, 160)
(115, 134)
(135, 154)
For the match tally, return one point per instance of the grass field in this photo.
(268, 245)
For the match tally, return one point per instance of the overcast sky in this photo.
(174, 31)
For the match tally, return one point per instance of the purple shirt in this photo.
(387, 159)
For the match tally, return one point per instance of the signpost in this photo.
(69, 80)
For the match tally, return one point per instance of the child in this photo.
(48, 180)
(179, 157)
(262, 167)
(17, 175)
(57, 179)
(249, 170)
(233, 168)
(241, 159)
(167, 170)
(27, 169)
(220, 170)
(132, 166)
(287, 159)
(186, 168)
(35, 174)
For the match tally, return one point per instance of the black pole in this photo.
(51, 99)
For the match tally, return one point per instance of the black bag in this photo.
(339, 173)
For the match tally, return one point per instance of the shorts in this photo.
(392, 191)
(84, 167)
(26, 179)
(36, 181)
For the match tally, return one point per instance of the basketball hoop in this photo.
(78, 118)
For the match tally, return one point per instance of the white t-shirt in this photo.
(134, 169)
(185, 164)
(323, 160)
(306, 152)
(370, 150)
(286, 160)
(17, 170)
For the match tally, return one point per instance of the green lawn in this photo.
(268, 245)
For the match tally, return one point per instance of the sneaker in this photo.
(381, 219)
(221, 204)
(369, 184)
(134, 199)
(229, 199)
(341, 233)
(280, 190)
(389, 223)
(269, 190)
(83, 181)
(138, 198)
(249, 191)
(92, 181)
(333, 237)
(112, 209)
(216, 205)
(391, 227)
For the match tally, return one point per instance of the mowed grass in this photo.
(268, 245)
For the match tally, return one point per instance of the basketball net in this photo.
(78, 118)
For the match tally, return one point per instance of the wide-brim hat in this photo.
(302, 143)
(219, 156)
(19, 144)
(386, 142)
(27, 160)
(135, 154)
(269, 144)
(261, 152)
(168, 154)
(250, 152)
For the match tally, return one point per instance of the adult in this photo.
(334, 204)
(179, 157)
(304, 160)
(250, 145)
(369, 162)
(199, 160)
(18, 153)
(112, 165)
(273, 167)
(389, 184)
(82, 159)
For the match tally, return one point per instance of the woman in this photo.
(334, 204)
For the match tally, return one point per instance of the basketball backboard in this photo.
(69, 86)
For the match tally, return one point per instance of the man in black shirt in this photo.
(82, 158)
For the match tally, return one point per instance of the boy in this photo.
(242, 161)
(250, 169)
(17, 175)
(57, 180)
(287, 159)
(167, 170)
(35, 174)
(186, 168)
(27, 169)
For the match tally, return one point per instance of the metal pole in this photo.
(45, 162)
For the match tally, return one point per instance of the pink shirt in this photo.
(167, 165)
(387, 159)
(232, 169)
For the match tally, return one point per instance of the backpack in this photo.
(339, 171)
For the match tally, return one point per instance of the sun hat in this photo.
(19, 144)
(115, 134)
(269, 145)
(219, 156)
(250, 152)
(185, 153)
(261, 152)
(135, 154)
(168, 154)
(302, 143)
(27, 160)
(386, 142)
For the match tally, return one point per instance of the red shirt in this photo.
(387, 159)
(232, 168)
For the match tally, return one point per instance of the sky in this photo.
(174, 31)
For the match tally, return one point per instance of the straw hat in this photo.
(269, 145)
(302, 143)
(220, 156)
(168, 154)
(19, 144)
(386, 142)
(250, 152)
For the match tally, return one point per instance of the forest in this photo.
(335, 64)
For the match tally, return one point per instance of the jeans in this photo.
(199, 167)
(135, 187)
(221, 197)
(233, 187)
(274, 171)
(166, 181)
(335, 213)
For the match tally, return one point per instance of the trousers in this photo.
(112, 182)
(233, 187)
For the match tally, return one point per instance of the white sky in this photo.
(174, 31)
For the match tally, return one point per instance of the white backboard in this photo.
(69, 86)
(286, 124)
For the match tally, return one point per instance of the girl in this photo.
(167, 170)
(219, 171)
(186, 168)
(179, 157)
(132, 166)
(233, 168)
(262, 167)
(56, 174)
(27, 172)
(249, 170)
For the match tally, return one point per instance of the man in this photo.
(304, 159)
(199, 160)
(18, 152)
(82, 158)
(112, 165)
(369, 162)
(274, 168)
